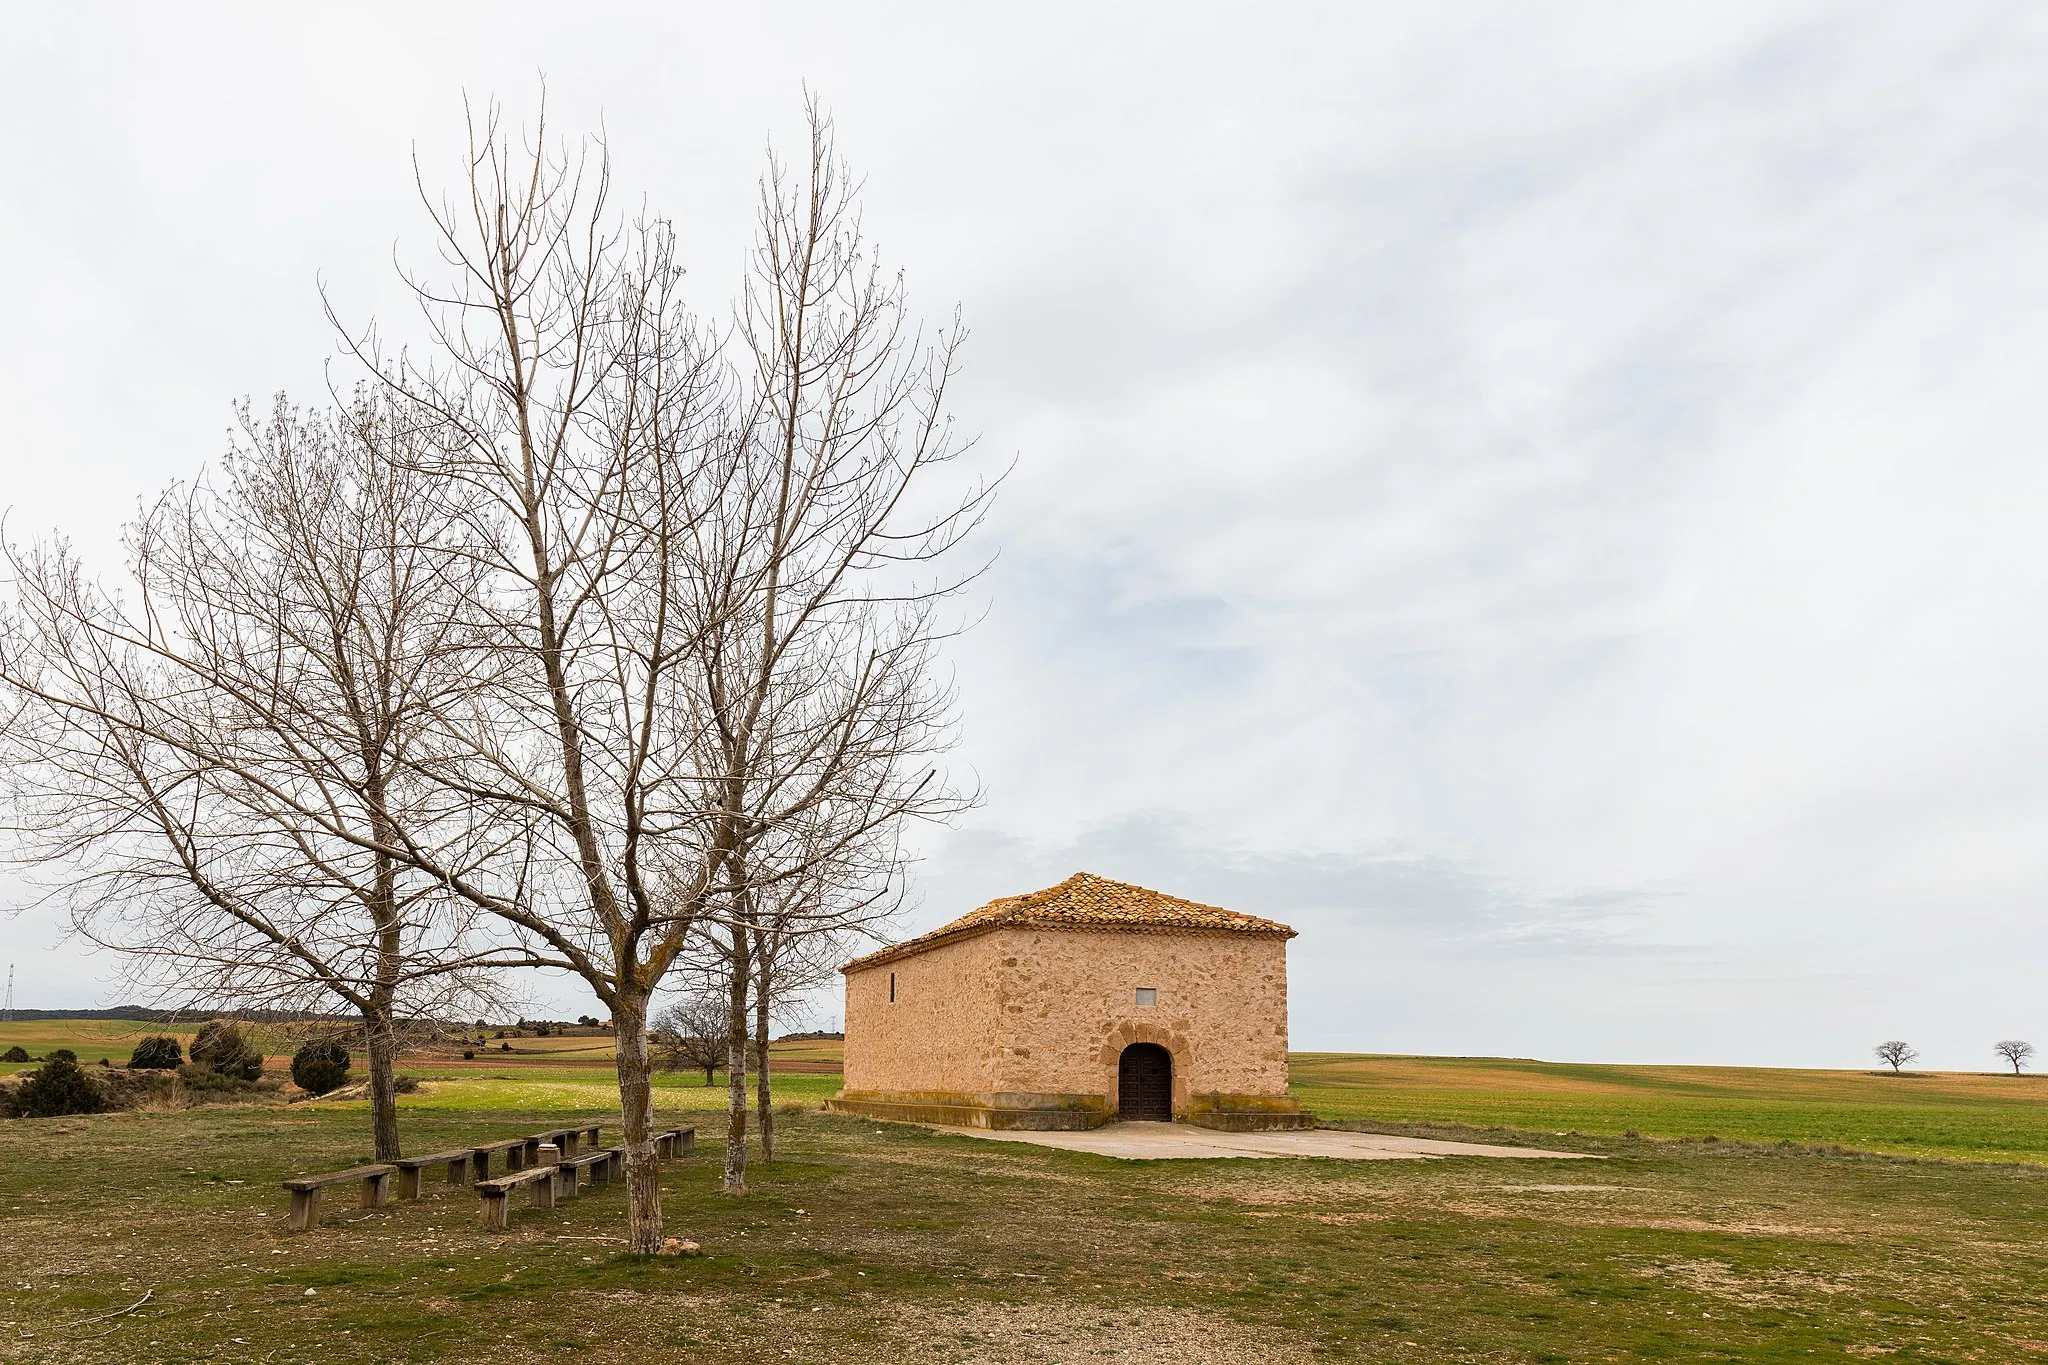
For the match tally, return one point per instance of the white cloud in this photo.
(1592, 449)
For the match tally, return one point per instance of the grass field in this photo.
(1941, 1114)
(870, 1242)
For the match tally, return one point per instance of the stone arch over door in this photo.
(1176, 1045)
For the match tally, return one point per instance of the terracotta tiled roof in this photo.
(1085, 901)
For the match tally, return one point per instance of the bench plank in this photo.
(497, 1194)
(456, 1160)
(514, 1150)
(305, 1191)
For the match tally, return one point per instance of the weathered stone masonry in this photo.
(1017, 1015)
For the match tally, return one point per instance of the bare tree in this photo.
(689, 638)
(691, 1033)
(580, 402)
(215, 766)
(799, 930)
(2016, 1053)
(1894, 1053)
(819, 591)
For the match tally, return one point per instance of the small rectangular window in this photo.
(1148, 995)
(892, 988)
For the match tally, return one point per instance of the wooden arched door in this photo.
(1144, 1084)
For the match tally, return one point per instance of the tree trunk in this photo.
(636, 1113)
(380, 1039)
(764, 1112)
(381, 1043)
(736, 1068)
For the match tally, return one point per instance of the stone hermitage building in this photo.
(1066, 1008)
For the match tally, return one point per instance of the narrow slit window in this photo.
(892, 988)
(1148, 995)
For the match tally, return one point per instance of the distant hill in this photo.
(142, 1014)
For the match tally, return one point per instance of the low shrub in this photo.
(220, 1047)
(156, 1054)
(62, 1054)
(320, 1066)
(469, 1054)
(17, 1053)
(204, 1079)
(404, 1085)
(58, 1086)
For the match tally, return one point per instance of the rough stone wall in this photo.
(940, 1034)
(1070, 1008)
(1049, 1011)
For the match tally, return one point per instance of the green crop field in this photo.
(869, 1242)
(1942, 1114)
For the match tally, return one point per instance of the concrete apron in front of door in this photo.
(1181, 1141)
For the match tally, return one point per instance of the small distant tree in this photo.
(691, 1034)
(58, 1086)
(220, 1047)
(1895, 1053)
(2016, 1052)
(156, 1054)
(17, 1053)
(320, 1066)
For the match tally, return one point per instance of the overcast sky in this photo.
(1548, 500)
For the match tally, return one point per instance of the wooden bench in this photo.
(599, 1166)
(674, 1142)
(513, 1148)
(497, 1194)
(305, 1191)
(565, 1138)
(456, 1160)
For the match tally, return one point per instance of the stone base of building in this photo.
(1001, 1111)
(1248, 1113)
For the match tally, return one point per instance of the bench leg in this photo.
(376, 1190)
(686, 1141)
(458, 1171)
(543, 1192)
(305, 1209)
(408, 1182)
(497, 1210)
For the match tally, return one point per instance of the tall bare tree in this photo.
(215, 761)
(820, 589)
(2016, 1052)
(580, 404)
(701, 625)
(1895, 1053)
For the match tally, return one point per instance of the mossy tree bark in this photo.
(735, 1181)
(764, 1114)
(644, 1228)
